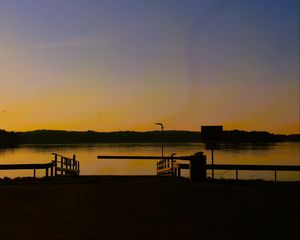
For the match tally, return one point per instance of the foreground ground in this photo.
(148, 208)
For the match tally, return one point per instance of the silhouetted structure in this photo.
(212, 136)
(61, 165)
(168, 166)
(65, 165)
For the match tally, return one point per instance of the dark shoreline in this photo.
(82, 179)
(235, 137)
(170, 136)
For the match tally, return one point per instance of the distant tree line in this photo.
(234, 136)
(12, 139)
(257, 136)
(9, 139)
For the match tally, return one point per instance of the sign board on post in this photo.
(212, 135)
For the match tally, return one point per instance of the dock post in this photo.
(78, 167)
(212, 164)
(67, 163)
(51, 171)
(74, 162)
(62, 165)
(34, 174)
(173, 165)
(47, 174)
(55, 165)
(198, 167)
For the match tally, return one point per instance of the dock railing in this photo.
(65, 166)
(244, 167)
(165, 167)
(168, 166)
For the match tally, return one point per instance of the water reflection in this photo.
(248, 146)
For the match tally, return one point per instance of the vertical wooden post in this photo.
(212, 164)
(236, 174)
(275, 176)
(51, 170)
(67, 165)
(168, 163)
(175, 172)
(55, 165)
(47, 172)
(173, 164)
(34, 175)
(61, 165)
(198, 167)
(74, 162)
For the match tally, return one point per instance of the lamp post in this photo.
(162, 138)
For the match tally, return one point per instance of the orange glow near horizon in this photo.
(127, 69)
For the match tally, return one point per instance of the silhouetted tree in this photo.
(60, 136)
(9, 139)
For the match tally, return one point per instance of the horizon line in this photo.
(169, 130)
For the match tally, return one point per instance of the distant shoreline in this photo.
(13, 139)
(234, 136)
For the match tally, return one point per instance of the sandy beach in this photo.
(149, 207)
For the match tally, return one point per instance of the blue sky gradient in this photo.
(123, 65)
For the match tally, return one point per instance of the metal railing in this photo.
(239, 167)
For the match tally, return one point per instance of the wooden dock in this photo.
(61, 165)
(33, 167)
(170, 166)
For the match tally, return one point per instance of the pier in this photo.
(166, 166)
(197, 166)
(60, 165)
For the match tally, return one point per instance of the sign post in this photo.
(212, 136)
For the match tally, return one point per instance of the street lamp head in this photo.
(160, 124)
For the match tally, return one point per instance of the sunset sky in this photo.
(110, 65)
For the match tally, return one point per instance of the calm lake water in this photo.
(287, 153)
